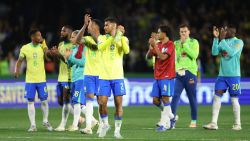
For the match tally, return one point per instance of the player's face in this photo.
(230, 32)
(108, 27)
(73, 38)
(64, 32)
(184, 32)
(160, 35)
(37, 37)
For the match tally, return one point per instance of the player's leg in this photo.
(43, 96)
(157, 99)
(78, 99)
(166, 91)
(66, 106)
(156, 95)
(235, 91)
(118, 88)
(220, 89)
(178, 88)
(190, 87)
(59, 95)
(30, 91)
(103, 94)
(90, 90)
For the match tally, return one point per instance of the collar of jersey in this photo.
(107, 35)
(34, 45)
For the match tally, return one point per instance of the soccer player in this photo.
(112, 46)
(91, 69)
(187, 51)
(76, 58)
(35, 77)
(164, 73)
(64, 77)
(229, 48)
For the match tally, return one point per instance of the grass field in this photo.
(139, 124)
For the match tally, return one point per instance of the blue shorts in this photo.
(163, 87)
(77, 90)
(91, 84)
(60, 86)
(32, 88)
(230, 83)
(117, 86)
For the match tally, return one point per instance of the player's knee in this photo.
(31, 99)
(156, 101)
(90, 96)
(220, 91)
(43, 99)
(102, 103)
(60, 101)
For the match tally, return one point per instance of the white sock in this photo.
(100, 119)
(83, 109)
(89, 113)
(216, 108)
(118, 124)
(71, 110)
(32, 113)
(45, 110)
(236, 110)
(77, 113)
(65, 114)
(165, 116)
(105, 120)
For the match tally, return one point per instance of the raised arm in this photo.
(162, 56)
(82, 30)
(215, 47)
(71, 59)
(104, 43)
(231, 49)
(125, 44)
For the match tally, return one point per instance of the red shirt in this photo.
(165, 69)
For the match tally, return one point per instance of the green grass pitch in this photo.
(138, 124)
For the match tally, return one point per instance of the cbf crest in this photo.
(34, 55)
(112, 47)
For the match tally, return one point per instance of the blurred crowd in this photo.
(140, 18)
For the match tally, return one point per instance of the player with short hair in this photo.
(112, 46)
(35, 80)
(164, 73)
(187, 51)
(64, 77)
(91, 68)
(229, 48)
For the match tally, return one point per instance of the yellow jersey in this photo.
(112, 56)
(92, 64)
(34, 56)
(65, 73)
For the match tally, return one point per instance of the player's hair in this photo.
(166, 29)
(111, 19)
(75, 32)
(99, 24)
(32, 31)
(68, 27)
(184, 25)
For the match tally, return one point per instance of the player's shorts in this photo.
(230, 83)
(91, 84)
(32, 88)
(117, 86)
(60, 86)
(163, 87)
(77, 90)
